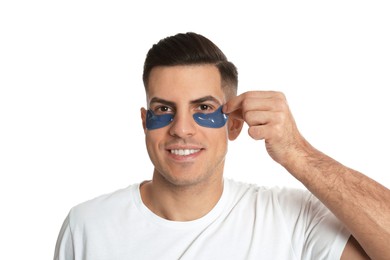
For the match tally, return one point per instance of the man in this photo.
(189, 211)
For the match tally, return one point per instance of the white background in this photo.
(71, 89)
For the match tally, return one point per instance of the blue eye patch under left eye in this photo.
(216, 119)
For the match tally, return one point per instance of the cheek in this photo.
(152, 140)
(219, 138)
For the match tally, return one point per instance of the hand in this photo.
(269, 118)
(365, 203)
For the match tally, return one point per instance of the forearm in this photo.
(362, 204)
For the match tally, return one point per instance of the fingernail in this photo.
(224, 108)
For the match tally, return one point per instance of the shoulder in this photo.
(285, 200)
(276, 193)
(103, 205)
(292, 205)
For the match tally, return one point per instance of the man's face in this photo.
(183, 152)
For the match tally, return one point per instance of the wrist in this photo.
(304, 161)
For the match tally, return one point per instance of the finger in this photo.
(233, 104)
(266, 132)
(251, 100)
(257, 132)
(237, 114)
(253, 118)
(264, 104)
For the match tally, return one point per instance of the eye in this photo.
(205, 108)
(162, 110)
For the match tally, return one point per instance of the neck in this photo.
(181, 202)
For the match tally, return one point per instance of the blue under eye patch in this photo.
(216, 119)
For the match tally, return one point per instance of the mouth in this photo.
(184, 152)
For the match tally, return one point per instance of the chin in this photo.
(186, 181)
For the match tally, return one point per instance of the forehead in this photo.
(185, 83)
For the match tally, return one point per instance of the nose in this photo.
(183, 125)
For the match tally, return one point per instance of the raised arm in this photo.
(362, 204)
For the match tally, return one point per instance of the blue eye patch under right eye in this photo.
(157, 121)
(216, 119)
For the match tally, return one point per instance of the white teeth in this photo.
(185, 151)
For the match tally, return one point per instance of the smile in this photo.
(184, 152)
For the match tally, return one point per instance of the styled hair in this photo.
(191, 49)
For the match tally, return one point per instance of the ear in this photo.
(234, 127)
(143, 117)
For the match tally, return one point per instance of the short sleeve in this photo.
(64, 247)
(315, 231)
(326, 236)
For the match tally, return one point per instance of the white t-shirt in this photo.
(248, 222)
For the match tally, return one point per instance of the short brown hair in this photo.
(191, 49)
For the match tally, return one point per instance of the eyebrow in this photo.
(195, 101)
(162, 101)
(204, 99)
